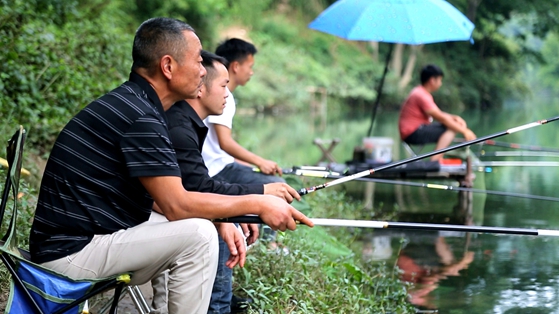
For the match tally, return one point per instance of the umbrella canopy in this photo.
(411, 22)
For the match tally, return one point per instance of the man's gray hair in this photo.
(157, 37)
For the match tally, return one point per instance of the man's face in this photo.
(244, 70)
(213, 98)
(187, 77)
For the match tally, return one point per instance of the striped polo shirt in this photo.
(90, 185)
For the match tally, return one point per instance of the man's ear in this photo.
(201, 91)
(234, 67)
(167, 64)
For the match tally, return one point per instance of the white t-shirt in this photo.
(216, 158)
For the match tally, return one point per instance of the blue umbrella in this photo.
(412, 22)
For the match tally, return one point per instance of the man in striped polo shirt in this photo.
(113, 163)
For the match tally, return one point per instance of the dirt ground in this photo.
(126, 305)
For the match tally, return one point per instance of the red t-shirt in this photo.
(413, 113)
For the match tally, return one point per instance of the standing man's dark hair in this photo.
(430, 71)
(235, 49)
(157, 37)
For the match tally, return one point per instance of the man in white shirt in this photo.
(228, 161)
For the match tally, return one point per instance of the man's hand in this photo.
(236, 243)
(281, 190)
(269, 167)
(459, 120)
(469, 135)
(251, 232)
(279, 215)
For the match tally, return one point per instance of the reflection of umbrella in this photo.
(411, 22)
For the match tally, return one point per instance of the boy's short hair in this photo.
(208, 60)
(430, 71)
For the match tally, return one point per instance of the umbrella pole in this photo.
(379, 89)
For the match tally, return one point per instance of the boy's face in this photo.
(436, 82)
(243, 70)
(213, 98)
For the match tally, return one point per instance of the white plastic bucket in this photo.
(378, 149)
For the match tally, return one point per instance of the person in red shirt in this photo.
(420, 109)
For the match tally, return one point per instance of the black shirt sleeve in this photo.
(194, 172)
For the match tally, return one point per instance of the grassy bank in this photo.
(321, 274)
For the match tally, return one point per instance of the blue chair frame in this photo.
(36, 289)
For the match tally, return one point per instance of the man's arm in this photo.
(452, 123)
(176, 203)
(230, 146)
(194, 173)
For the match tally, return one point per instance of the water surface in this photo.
(453, 272)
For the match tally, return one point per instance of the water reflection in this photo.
(425, 257)
(458, 272)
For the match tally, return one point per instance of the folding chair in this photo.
(35, 289)
(411, 152)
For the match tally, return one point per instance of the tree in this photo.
(487, 68)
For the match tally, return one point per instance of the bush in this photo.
(51, 67)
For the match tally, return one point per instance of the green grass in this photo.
(321, 274)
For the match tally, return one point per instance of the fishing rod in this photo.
(521, 153)
(365, 173)
(514, 145)
(308, 171)
(327, 175)
(511, 163)
(404, 225)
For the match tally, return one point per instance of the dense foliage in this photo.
(550, 70)
(56, 56)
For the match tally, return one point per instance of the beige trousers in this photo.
(187, 248)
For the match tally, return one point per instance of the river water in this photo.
(452, 272)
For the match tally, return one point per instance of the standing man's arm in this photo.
(195, 175)
(453, 124)
(230, 146)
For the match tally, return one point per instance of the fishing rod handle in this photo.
(249, 219)
(305, 191)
